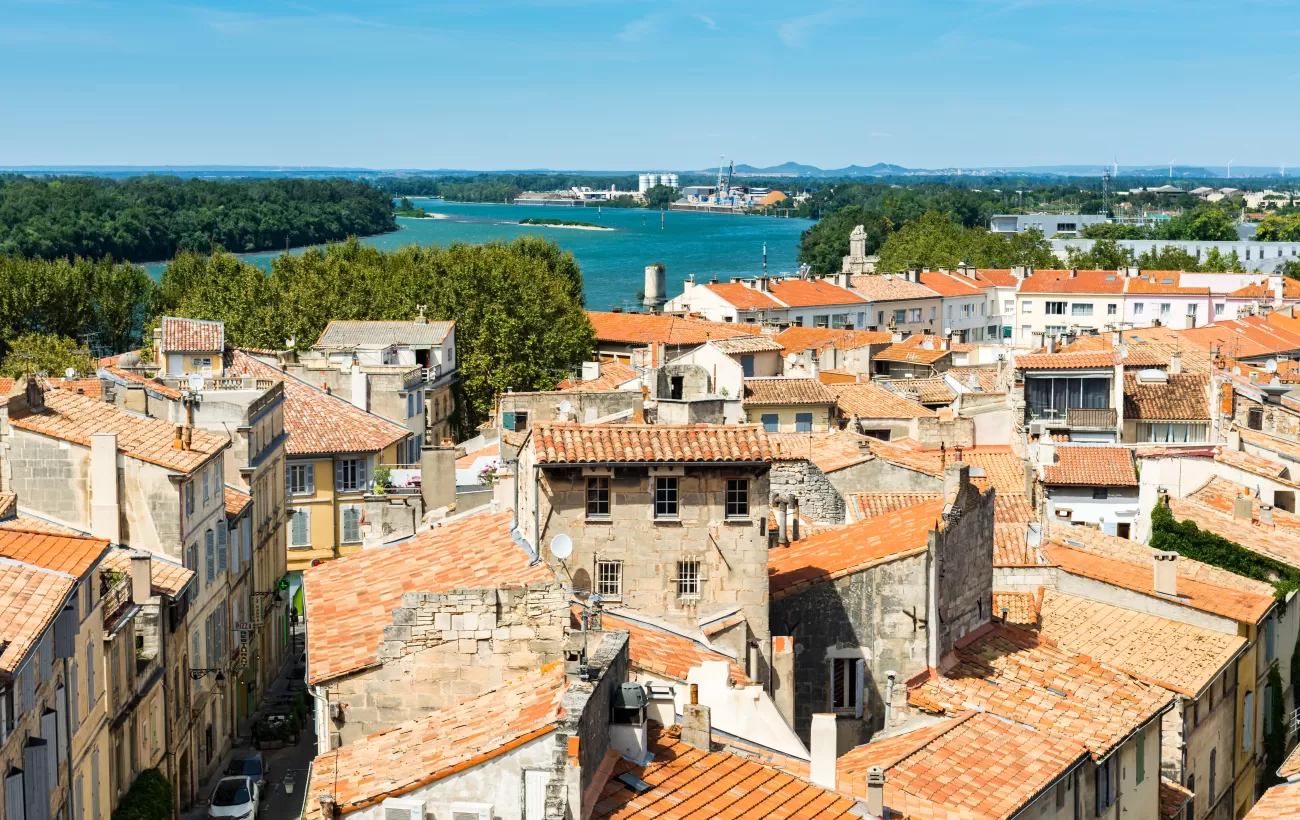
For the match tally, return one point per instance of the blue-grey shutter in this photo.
(79, 802)
(50, 733)
(28, 680)
(859, 686)
(65, 631)
(94, 784)
(1108, 527)
(61, 724)
(92, 693)
(36, 778)
(221, 546)
(210, 556)
(73, 694)
(14, 799)
(1099, 790)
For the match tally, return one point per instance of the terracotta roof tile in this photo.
(1072, 281)
(976, 765)
(1288, 450)
(1020, 608)
(645, 328)
(236, 500)
(799, 339)
(747, 344)
(30, 523)
(1280, 544)
(906, 453)
(166, 578)
(91, 388)
(1261, 290)
(1222, 494)
(1173, 797)
(1278, 803)
(884, 287)
(30, 598)
(830, 451)
(1010, 548)
(784, 390)
(934, 390)
(1014, 674)
(1087, 466)
(70, 417)
(1254, 464)
(1172, 654)
(1002, 468)
(868, 400)
(316, 421)
(952, 285)
(150, 385)
(1169, 282)
(70, 554)
(1180, 397)
(999, 277)
(812, 293)
(649, 443)
(612, 374)
(872, 504)
(347, 335)
(1013, 508)
(1064, 361)
(1248, 337)
(911, 354)
(665, 653)
(192, 335)
(351, 600)
(743, 297)
(1291, 766)
(986, 376)
(421, 751)
(688, 782)
(852, 548)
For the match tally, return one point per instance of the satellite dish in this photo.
(561, 546)
(1034, 534)
(196, 381)
(1271, 365)
(565, 406)
(791, 359)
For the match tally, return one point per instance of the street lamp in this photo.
(198, 674)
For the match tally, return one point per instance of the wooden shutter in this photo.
(14, 798)
(65, 631)
(859, 686)
(94, 784)
(50, 734)
(78, 799)
(73, 694)
(221, 546)
(36, 778)
(61, 723)
(28, 685)
(535, 794)
(92, 694)
(210, 555)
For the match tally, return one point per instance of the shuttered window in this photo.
(74, 696)
(14, 802)
(300, 528)
(221, 547)
(351, 523)
(92, 694)
(28, 685)
(94, 785)
(65, 632)
(50, 733)
(61, 723)
(36, 779)
(210, 553)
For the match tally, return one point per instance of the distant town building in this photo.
(1048, 225)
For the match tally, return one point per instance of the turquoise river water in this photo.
(613, 262)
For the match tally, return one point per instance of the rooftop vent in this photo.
(1152, 376)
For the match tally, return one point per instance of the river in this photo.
(613, 262)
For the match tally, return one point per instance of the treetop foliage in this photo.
(1189, 540)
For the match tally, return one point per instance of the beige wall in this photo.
(823, 415)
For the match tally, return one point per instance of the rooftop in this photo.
(872, 401)
(192, 335)
(351, 600)
(318, 421)
(348, 335)
(236, 500)
(1088, 466)
(1245, 338)
(812, 293)
(889, 287)
(1278, 803)
(166, 578)
(649, 443)
(1262, 290)
(743, 297)
(612, 374)
(661, 652)
(913, 353)
(799, 339)
(68, 554)
(1072, 281)
(1280, 544)
(71, 417)
(1019, 608)
(1179, 397)
(30, 598)
(830, 451)
(450, 740)
(647, 328)
(947, 284)
(1162, 282)
(934, 390)
(1065, 361)
(747, 344)
(1016, 675)
(783, 390)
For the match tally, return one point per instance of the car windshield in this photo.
(250, 766)
(231, 793)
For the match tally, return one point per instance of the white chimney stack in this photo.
(824, 742)
(876, 791)
(1166, 572)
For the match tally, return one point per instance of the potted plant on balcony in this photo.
(383, 476)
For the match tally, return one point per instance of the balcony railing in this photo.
(1102, 418)
(116, 596)
(431, 374)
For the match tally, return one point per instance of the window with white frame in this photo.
(1055, 308)
(1081, 309)
(1191, 309)
(1009, 306)
(598, 497)
(688, 579)
(1138, 308)
(206, 486)
(302, 479)
(609, 579)
(351, 523)
(916, 314)
(1172, 432)
(300, 527)
(1054, 330)
(737, 498)
(1026, 306)
(201, 363)
(1112, 309)
(1165, 307)
(1218, 308)
(350, 475)
(666, 497)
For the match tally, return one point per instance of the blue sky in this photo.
(628, 85)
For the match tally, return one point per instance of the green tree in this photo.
(1290, 269)
(1279, 228)
(1216, 262)
(45, 353)
(1205, 223)
(1274, 727)
(659, 197)
(149, 798)
(1105, 254)
(935, 241)
(1189, 540)
(1167, 258)
(1113, 230)
(825, 244)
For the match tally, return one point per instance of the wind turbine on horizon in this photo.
(1230, 168)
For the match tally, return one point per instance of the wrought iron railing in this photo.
(1099, 417)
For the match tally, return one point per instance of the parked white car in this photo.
(235, 798)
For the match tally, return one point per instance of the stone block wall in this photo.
(51, 477)
(963, 555)
(444, 647)
(819, 500)
(1277, 420)
(956, 432)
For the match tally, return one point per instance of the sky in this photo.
(586, 84)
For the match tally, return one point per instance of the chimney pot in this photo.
(1165, 572)
(1266, 514)
(824, 743)
(141, 577)
(697, 726)
(876, 791)
(178, 442)
(1175, 362)
(1243, 508)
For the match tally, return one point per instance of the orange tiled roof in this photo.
(871, 401)
(30, 523)
(1168, 282)
(812, 293)
(999, 277)
(150, 385)
(645, 328)
(352, 599)
(986, 376)
(971, 766)
(689, 782)
(612, 374)
(91, 388)
(1072, 281)
(1020, 608)
(69, 554)
(884, 287)
(1291, 766)
(747, 344)
(799, 339)
(1087, 466)
(743, 297)
(1288, 450)
(947, 284)
(1261, 290)
(1002, 468)
(907, 453)
(830, 451)
(1238, 605)
(1222, 494)
(642, 443)
(236, 500)
(851, 549)
(1013, 508)
(1010, 548)
(934, 390)
(665, 653)
(1064, 361)
(466, 461)
(1176, 655)
(911, 354)
(30, 598)
(1271, 542)
(70, 417)
(784, 390)
(870, 505)
(192, 335)
(1248, 337)
(1254, 464)
(1173, 797)
(418, 752)
(1181, 397)
(1014, 674)
(1278, 803)
(165, 577)
(319, 422)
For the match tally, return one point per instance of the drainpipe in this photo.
(782, 523)
(537, 510)
(890, 677)
(67, 729)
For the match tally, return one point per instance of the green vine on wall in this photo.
(1274, 740)
(149, 798)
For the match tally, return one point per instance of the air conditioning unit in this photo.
(404, 808)
(1037, 428)
(470, 811)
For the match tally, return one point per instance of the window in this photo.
(1026, 306)
(351, 515)
(1009, 306)
(839, 319)
(803, 422)
(1191, 311)
(1139, 308)
(798, 321)
(880, 317)
(300, 528)
(1055, 308)
(771, 422)
(598, 497)
(210, 554)
(1248, 722)
(1081, 309)
(1107, 785)
(1214, 774)
(1054, 330)
(1218, 308)
(1191, 803)
(821, 320)
(1172, 433)
(1164, 308)
(1270, 643)
(514, 420)
(1255, 418)
(350, 475)
(666, 497)
(201, 363)
(302, 479)
(931, 314)
(223, 552)
(609, 579)
(747, 366)
(1112, 309)
(900, 317)
(916, 314)
(189, 497)
(1100, 493)
(738, 499)
(191, 562)
(688, 579)
(207, 495)
(846, 684)
(1141, 756)
(862, 319)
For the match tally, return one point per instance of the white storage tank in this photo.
(643, 182)
(670, 180)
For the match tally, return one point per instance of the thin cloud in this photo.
(795, 31)
(708, 21)
(641, 28)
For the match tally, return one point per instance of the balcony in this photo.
(115, 590)
(1095, 418)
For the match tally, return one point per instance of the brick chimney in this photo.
(697, 724)
(821, 770)
(1165, 566)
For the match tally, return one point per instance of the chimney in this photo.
(590, 371)
(1266, 514)
(142, 576)
(1175, 363)
(1166, 572)
(159, 355)
(1049, 343)
(1234, 440)
(1074, 273)
(956, 475)
(105, 513)
(783, 522)
(697, 726)
(794, 517)
(187, 438)
(1254, 377)
(178, 443)
(1116, 338)
(897, 337)
(1018, 271)
(876, 791)
(1243, 508)
(824, 743)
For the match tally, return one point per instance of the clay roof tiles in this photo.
(612, 374)
(1288, 450)
(1291, 766)
(69, 554)
(1064, 361)
(934, 390)
(318, 422)
(649, 443)
(1278, 803)
(71, 417)
(1162, 282)
(688, 782)
(784, 390)
(747, 344)
(1020, 608)
(743, 297)
(799, 339)
(1087, 466)
(166, 578)
(418, 752)
(1280, 544)
(911, 354)
(192, 335)
(830, 451)
(352, 599)
(1181, 397)
(30, 598)
(987, 377)
(1173, 797)
(947, 284)
(665, 653)
(236, 500)
(346, 335)
(645, 328)
(1014, 674)
(1072, 281)
(886, 288)
(872, 401)
(150, 385)
(872, 504)
(812, 293)
(1261, 290)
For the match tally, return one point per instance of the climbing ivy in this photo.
(1189, 540)
(149, 798)
(1275, 740)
